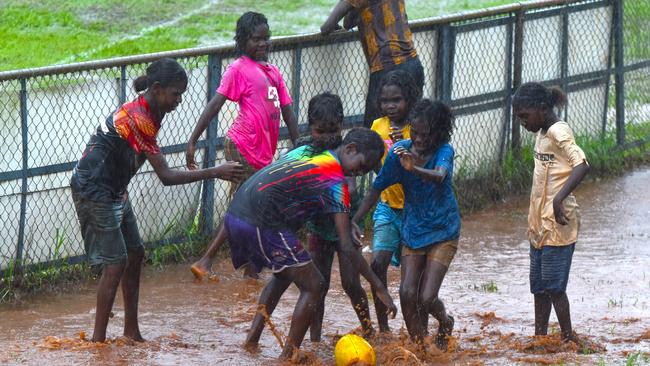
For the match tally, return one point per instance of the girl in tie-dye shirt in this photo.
(273, 204)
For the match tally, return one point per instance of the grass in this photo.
(40, 33)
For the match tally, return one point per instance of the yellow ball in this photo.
(354, 350)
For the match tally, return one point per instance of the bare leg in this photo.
(130, 293)
(309, 282)
(563, 313)
(201, 268)
(380, 262)
(106, 290)
(543, 306)
(434, 274)
(412, 268)
(269, 299)
(322, 259)
(351, 283)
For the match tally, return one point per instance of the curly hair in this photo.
(325, 107)
(536, 95)
(368, 142)
(246, 25)
(438, 116)
(406, 84)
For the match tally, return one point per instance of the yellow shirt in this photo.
(556, 154)
(393, 195)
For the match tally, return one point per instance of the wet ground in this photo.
(486, 290)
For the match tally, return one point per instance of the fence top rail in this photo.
(229, 48)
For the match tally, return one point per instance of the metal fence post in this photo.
(515, 133)
(564, 55)
(507, 112)
(619, 76)
(296, 75)
(122, 84)
(445, 67)
(207, 195)
(23, 191)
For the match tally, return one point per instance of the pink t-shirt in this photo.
(260, 91)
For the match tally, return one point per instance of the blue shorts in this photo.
(549, 268)
(271, 248)
(109, 230)
(387, 234)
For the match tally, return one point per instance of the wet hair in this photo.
(325, 107)
(438, 116)
(536, 95)
(368, 142)
(165, 71)
(246, 25)
(405, 82)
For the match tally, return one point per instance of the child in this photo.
(257, 86)
(423, 166)
(386, 40)
(99, 188)
(273, 204)
(325, 116)
(398, 93)
(553, 218)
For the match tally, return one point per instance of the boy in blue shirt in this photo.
(423, 166)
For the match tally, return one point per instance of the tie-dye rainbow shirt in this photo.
(289, 192)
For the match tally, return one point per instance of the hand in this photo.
(560, 215)
(406, 158)
(230, 170)
(384, 297)
(357, 234)
(189, 157)
(396, 134)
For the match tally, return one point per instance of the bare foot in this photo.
(199, 271)
(134, 336)
(444, 331)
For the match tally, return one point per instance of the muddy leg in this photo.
(412, 267)
(380, 263)
(310, 283)
(131, 293)
(351, 283)
(106, 290)
(323, 259)
(563, 313)
(201, 268)
(542, 313)
(434, 274)
(268, 299)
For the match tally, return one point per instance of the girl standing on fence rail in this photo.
(259, 89)
(99, 183)
(553, 218)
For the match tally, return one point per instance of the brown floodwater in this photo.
(486, 290)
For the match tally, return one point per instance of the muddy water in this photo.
(486, 290)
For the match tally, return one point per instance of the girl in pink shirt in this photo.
(259, 89)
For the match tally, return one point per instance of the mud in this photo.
(486, 290)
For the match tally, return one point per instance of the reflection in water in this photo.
(486, 290)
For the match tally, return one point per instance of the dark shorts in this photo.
(549, 268)
(109, 230)
(232, 153)
(274, 249)
(412, 66)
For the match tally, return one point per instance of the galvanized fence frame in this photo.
(514, 18)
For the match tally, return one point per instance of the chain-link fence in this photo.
(472, 60)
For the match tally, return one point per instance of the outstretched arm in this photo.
(369, 200)
(331, 24)
(210, 111)
(230, 170)
(342, 222)
(292, 124)
(577, 174)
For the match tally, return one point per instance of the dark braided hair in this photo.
(246, 25)
(536, 95)
(165, 71)
(438, 116)
(405, 82)
(325, 107)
